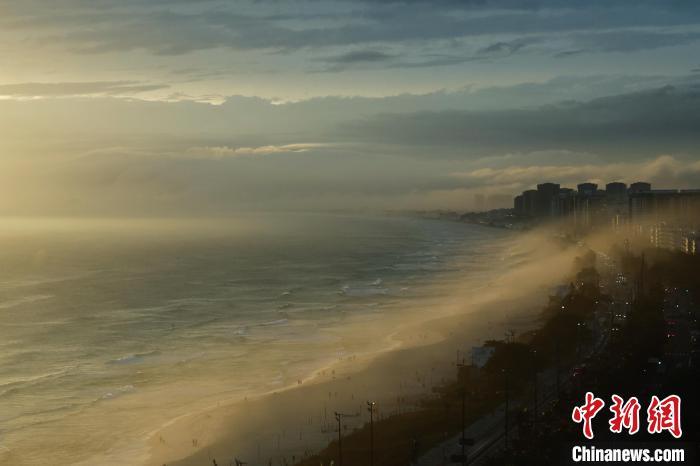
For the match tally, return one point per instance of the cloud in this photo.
(75, 89)
(355, 58)
(650, 121)
(173, 28)
(629, 41)
(359, 56)
(371, 58)
(661, 171)
(218, 152)
(504, 48)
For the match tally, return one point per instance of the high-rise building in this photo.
(566, 202)
(587, 189)
(529, 202)
(667, 236)
(547, 196)
(669, 207)
(667, 218)
(690, 243)
(616, 205)
(639, 187)
(616, 191)
(518, 206)
(589, 204)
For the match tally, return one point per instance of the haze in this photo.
(174, 108)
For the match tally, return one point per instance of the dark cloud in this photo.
(503, 48)
(360, 56)
(569, 53)
(355, 58)
(632, 40)
(663, 119)
(310, 120)
(369, 58)
(171, 29)
(578, 43)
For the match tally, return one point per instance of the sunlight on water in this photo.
(110, 329)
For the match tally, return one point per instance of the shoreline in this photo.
(264, 427)
(198, 437)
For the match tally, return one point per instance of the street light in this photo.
(464, 415)
(339, 417)
(505, 371)
(534, 373)
(370, 408)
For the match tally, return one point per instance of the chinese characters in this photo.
(662, 415)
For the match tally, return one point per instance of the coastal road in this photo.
(489, 430)
(485, 429)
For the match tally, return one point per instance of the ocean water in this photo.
(110, 329)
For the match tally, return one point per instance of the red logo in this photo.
(662, 415)
(625, 415)
(587, 412)
(665, 415)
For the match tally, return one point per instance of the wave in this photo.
(24, 300)
(244, 330)
(133, 358)
(14, 386)
(117, 392)
(358, 292)
(272, 323)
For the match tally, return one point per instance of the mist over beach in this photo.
(173, 318)
(280, 232)
(113, 331)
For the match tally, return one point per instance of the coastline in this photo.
(393, 378)
(296, 420)
(290, 422)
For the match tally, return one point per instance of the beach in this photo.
(243, 339)
(288, 424)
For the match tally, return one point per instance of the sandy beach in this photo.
(285, 425)
(299, 419)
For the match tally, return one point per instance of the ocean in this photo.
(112, 328)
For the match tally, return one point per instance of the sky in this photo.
(181, 108)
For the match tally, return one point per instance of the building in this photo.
(566, 203)
(668, 205)
(690, 244)
(529, 202)
(616, 192)
(518, 206)
(587, 189)
(616, 205)
(639, 187)
(546, 200)
(589, 206)
(667, 218)
(666, 236)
